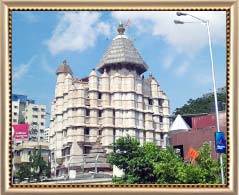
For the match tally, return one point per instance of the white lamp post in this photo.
(206, 22)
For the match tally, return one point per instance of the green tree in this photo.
(168, 166)
(24, 172)
(36, 167)
(141, 168)
(148, 164)
(209, 167)
(200, 105)
(190, 174)
(125, 149)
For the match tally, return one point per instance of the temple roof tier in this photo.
(64, 68)
(122, 52)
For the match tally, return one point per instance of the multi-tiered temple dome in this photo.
(122, 53)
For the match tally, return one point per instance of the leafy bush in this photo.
(148, 164)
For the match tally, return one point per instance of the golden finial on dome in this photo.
(121, 28)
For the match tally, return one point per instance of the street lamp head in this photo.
(178, 22)
(181, 14)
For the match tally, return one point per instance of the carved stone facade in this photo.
(116, 102)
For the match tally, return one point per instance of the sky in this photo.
(177, 55)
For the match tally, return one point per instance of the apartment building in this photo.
(19, 103)
(27, 111)
(23, 151)
(35, 115)
(46, 134)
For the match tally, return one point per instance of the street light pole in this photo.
(206, 22)
(215, 97)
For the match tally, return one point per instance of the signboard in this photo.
(192, 154)
(220, 142)
(21, 132)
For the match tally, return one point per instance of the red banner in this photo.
(21, 132)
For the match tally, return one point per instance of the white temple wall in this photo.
(107, 136)
(94, 116)
(149, 136)
(105, 99)
(127, 103)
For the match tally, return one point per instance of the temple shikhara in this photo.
(114, 100)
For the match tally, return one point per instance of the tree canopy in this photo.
(35, 168)
(148, 164)
(200, 105)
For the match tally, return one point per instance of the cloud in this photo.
(45, 65)
(187, 38)
(182, 42)
(29, 16)
(182, 69)
(168, 60)
(103, 28)
(77, 31)
(23, 69)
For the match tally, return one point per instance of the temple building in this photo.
(115, 100)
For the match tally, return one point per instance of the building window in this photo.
(35, 109)
(68, 151)
(16, 107)
(160, 119)
(150, 101)
(113, 117)
(43, 110)
(29, 153)
(63, 152)
(42, 124)
(137, 134)
(34, 116)
(100, 113)
(15, 114)
(144, 136)
(14, 120)
(87, 131)
(160, 102)
(99, 96)
(100, 132)
(87, 149)
(42, 116)
(113, 135)
(87, 112)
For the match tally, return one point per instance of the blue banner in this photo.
(220, 142)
